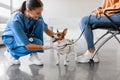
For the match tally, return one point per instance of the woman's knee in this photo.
(83, 21)
(37, 41)
(9, 41)
(19, 51)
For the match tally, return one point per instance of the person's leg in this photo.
(38, 31)
(34, 58)
(9, 42)
(88, 34)
(38, 39)
(23, 51)
(14, 52)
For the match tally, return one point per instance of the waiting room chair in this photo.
(112, 28)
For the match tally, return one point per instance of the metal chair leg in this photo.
(117, 38)
(101, 37)
(91, 61)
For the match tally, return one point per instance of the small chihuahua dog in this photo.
(64, 46)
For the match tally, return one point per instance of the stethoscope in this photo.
(30, 30)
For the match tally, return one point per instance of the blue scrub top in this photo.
(18, 24)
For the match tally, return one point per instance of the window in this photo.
(4, 10)
(6, 7)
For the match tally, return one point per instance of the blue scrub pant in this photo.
(88, 34)
(19, 51)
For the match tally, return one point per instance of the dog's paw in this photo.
(67, 60)
(57, 63)
(65, 63)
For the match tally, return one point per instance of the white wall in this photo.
(69, 8)
(67, 13)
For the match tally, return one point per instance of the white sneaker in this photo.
(35, 59)
(86, 57)
(10, 58)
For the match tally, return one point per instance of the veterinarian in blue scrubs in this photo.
(23, 34)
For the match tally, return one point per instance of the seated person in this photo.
(97, 17)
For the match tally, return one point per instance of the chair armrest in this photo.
(114, 24)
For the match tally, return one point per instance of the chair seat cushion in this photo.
(105, 26)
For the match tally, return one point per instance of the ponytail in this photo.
(30, 4)
(23, 7)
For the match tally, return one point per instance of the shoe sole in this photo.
(36, 64)
(87, 62)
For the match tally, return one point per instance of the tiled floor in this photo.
(107, 69)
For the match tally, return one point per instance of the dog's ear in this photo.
(65, 31)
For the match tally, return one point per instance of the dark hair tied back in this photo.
(30, 4)
(23, 7)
